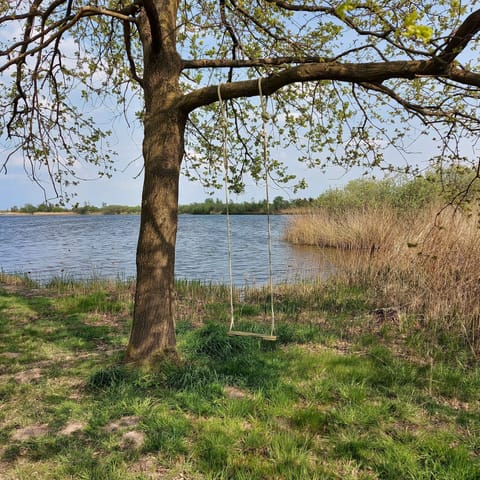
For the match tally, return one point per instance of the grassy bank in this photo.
(346, 393)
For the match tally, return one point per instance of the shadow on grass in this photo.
(212, 359)
(30, 323)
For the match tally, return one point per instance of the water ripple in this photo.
(104, 246)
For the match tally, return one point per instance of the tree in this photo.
(344, 78)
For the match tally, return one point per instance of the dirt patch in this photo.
(340, 347)
(235, 393)
(72, 427)
(28, 376)
(132, 440)
(10, 355)
(148, 467)
(21, 289)
(121, 423)
(106, 319)
(31, 431)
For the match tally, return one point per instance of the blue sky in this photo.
(16, 189)
(125, 187)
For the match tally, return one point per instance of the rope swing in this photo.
(265, 118)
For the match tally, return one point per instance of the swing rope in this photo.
(265, 118)
(223, 111)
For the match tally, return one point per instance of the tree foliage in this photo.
(380, 72)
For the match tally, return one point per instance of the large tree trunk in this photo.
(153, 328)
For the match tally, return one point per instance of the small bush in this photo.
(108, 377)
(190, 376)
(213, 342)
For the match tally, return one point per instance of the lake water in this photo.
(104, 246)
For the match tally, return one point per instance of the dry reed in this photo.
(428, 263)
(350, 230)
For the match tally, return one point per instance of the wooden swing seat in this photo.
(238, 333)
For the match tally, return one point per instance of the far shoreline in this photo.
(69, 213)
(25, 214)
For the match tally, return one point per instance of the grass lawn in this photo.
(343, 394)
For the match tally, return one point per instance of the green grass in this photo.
(337, 397)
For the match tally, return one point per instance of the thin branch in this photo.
(259, 25)
(384, 34)
(59, 28)
(435, 111)
(247, 63)
(128, 48)
(233, 36)
(19, 73)
(270, 61)
(301, 7)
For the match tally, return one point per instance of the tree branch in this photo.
(348, 72)
(259, 25)
(235, 42)
(268, 61)
(58, 28)
(301, 8)
(154, 22)
(424, 111)
(128, 48)
(384, 34)
(18, 75)
(247, 63)
(460, 38)
(464, 77)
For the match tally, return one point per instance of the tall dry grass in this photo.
(362, 229)
(428, 263)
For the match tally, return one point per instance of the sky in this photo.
(125, 187)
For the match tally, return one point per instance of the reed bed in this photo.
(361, 229)
(428, 263)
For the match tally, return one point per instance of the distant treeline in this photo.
(461, 185)
(85, 209)
(209, 206)
(217, 207)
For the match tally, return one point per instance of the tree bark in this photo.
(153, 328)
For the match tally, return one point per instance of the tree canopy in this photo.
(350, 78)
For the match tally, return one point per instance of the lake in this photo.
(83, 246)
